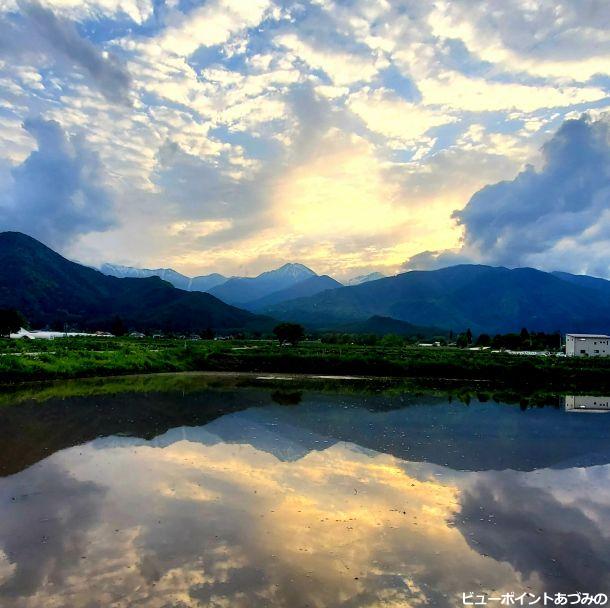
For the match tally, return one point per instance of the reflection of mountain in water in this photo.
(251, 427)
(476, 437)
(302, 499)
(135, 522)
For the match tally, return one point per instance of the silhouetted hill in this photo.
(49, 289)
(484, 298)
(383, 326)
(583, 280)
(308, 287)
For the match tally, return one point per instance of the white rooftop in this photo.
(589, 336)
(47, 335)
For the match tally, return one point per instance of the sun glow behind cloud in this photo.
(340, 192)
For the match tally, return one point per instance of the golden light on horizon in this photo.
(339, 213)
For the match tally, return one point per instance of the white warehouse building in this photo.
(586, 403)
(591, 345)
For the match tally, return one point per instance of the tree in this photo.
(461, 341)
(469, 336)
(526, 339)
(11, 321)
(289, 333)
(392, 340)
(118, 327)
(483, 340)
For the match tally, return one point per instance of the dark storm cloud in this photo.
(531, 213)
(522, 222)
(39, 30)
(57, 192)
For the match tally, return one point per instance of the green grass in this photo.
(89, 357)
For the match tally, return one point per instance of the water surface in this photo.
(206, 493)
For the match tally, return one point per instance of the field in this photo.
(87, 357)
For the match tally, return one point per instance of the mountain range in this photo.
(181, 281)
(242, 290)
(253, 417)
(252, 293)
(307, 287)
(485, 298)
(51, 290)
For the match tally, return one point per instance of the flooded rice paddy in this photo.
(188, 491)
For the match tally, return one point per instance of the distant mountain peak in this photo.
(292, 269)
(242, 290)
(200, 283)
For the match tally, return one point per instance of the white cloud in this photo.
(137, 10)
(444, 97)
(342, 67)
(454, 90)
(565, 40)
(397, 119)
(213, 23)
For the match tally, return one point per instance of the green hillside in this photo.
(484, 298)
(51, 290)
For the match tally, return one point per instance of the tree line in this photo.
(11, 321)
(524, 340)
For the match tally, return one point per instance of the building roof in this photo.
(589, 336)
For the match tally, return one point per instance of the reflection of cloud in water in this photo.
(6, 568)
(228, 525)
(553, 524)
(44, 523)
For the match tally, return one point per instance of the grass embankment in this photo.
(86, 357)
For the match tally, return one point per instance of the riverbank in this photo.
(24, 361)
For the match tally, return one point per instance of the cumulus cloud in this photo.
(400, 121)
(422, 104)
(541, 215)
(63, 529)
(566, 39)
(206, 187)
(57, 193)
(481, 95)
(211, 24)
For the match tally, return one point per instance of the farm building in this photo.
(591, 345)
(586, 403)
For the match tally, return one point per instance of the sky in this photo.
(352, 136)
